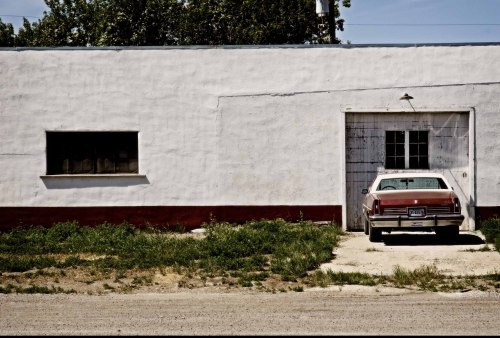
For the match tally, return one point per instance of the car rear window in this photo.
(411, 183)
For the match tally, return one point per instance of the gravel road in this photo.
(314, 312)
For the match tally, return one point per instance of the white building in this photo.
(179, 135)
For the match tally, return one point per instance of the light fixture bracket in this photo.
(406, 97)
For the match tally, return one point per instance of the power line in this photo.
(421, 24)
(21, 16)
(347, 24)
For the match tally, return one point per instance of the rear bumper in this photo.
(404, 221)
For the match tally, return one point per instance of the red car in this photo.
(411, 201)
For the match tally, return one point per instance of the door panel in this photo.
(365, 153)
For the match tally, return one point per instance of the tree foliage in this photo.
(174, 22)
(6, 34)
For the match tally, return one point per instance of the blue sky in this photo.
(371, 21)
(421, 21)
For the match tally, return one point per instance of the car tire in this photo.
(367, 227)
(375, 234)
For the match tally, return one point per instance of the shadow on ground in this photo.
(430, 239)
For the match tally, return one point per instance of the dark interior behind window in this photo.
(394, 149)
(92, 153)
(419, 149)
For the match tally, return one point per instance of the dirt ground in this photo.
(244, 312)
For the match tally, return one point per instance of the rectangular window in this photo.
(419, 146)
(394, 149)
(407, 149)
(92, 153)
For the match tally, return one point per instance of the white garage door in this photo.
(397, 142)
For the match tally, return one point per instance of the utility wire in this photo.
(350, 24)
(21, 16)
(421, 24)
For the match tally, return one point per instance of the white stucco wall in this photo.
(230, 126)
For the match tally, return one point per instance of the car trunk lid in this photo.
(392, 202)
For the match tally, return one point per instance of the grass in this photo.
(490, 228)
(484, 248)
(324, 279)
(268, 255)
(249, 253)
(9, 288)
(425, 277)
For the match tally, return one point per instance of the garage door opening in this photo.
(410, 141)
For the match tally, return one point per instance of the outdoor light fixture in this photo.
(406, 97)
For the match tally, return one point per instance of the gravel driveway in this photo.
(411, 250)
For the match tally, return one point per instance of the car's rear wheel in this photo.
(367, 228)
(375, 234)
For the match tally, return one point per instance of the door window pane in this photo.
(394, 149)
(419, 149)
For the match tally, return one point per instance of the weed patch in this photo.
(250, 252)
(490, 228)
(269, 255)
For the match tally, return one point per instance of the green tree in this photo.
(335, 22)
(7, 36)
(175, 22)
(70, 23)
(141, 22)
(277, 22)
(252, 22)
(26, 35)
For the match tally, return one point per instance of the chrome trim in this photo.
(399, 218)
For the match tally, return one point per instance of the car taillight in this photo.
(456, 206)
(376, 207)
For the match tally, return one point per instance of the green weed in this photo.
(253, 250)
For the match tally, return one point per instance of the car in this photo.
(411, 202)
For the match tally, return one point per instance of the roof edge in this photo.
(194, 47)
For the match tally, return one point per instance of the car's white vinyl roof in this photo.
(409, 174)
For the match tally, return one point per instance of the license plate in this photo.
(416, 212)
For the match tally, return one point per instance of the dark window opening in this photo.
(92, 153)
(395, 149)
(416, 142)
(419, 149)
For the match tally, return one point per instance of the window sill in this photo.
(93, 180)
(93, 176)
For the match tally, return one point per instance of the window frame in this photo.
(419, 156)
(406, 149)
(395, 150)
(92, 153)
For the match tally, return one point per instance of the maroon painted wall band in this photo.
(189, 217)
(484, 213)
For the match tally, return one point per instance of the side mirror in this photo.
(364, 191)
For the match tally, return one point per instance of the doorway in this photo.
(382, 142)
